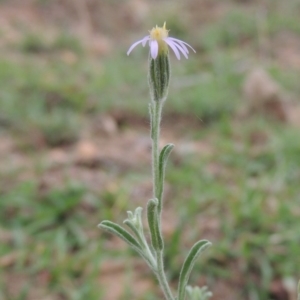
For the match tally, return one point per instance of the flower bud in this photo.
(159, 76)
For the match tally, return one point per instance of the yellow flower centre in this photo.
(158, 34)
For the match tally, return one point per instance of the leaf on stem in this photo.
(127, 237)
(121, 233)
(163, 157)
(197, 293)
(132, 227)
(188, 264)
(134, 222)
(153, 220)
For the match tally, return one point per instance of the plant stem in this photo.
(155, 111)
(148, 253)
(155, 120)
(162, 277)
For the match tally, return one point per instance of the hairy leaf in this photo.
(153, 219)
(188, 264)
(120, 232)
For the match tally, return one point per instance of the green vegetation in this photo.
(241, 192)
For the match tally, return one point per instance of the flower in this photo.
(159, 41)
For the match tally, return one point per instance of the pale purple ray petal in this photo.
(180, 48)
(143, 41)
(172, 45)
(153, 48)
(182, 42)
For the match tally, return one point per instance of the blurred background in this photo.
(75, 148)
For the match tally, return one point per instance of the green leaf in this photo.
(163, 157)
(197, 293)
(188, 264)
(134, 222)
(153, 221)
(122, 233)
(132, 227)
(127, 237)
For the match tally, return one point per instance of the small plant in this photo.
(158, 79)
(33, 43)
(66, 41)
(197, 293)
(59, 127)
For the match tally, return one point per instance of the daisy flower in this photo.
(159, 41)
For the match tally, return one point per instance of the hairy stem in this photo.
(155, 111)
(156, 118)
(162, 277)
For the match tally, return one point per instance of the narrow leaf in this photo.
(132, 227)
(127, 237)
(188, 264)
(120, 232)
(163, 157)
(134, 230)
(153, 219)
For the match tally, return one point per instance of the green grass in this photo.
(243, 195)
(254, 197)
